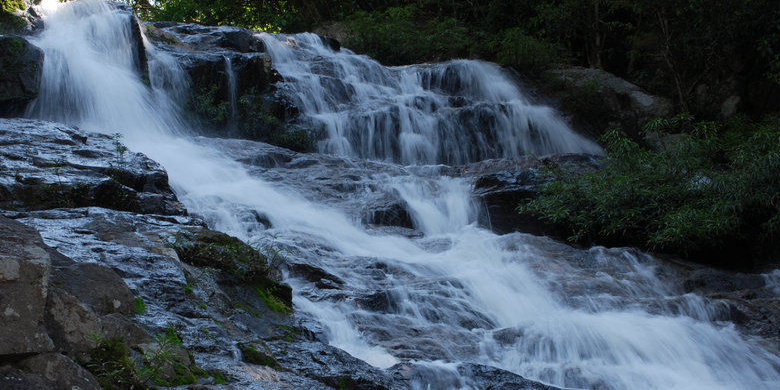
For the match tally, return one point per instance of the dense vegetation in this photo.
(711, 192)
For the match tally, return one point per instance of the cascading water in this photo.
(231, 81)
(593, 318)
(451, 113)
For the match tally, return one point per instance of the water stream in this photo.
(575, 318)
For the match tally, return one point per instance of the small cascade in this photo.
(231, 83)
(450, 113)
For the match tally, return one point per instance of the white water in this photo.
(584, 322)
(453, 113)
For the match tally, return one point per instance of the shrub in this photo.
(710, 192)
(523, 52)
(403, 35)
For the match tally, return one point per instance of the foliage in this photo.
(515, 48)
(140, 306)
(270, 294)
(11, 23)
(403, 35)
(209, 107)
(111, 364)
(270, 16)
(710, 194)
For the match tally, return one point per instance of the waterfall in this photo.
(231, 81)
(594, 318)
(452, 113)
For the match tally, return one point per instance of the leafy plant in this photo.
(140, 306)
(709, 192)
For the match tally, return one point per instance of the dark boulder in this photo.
(388, 211)
(321, 278)
(331, 43)
(21, 67)
(599, 100)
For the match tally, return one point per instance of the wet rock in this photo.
(485, 377)
(501, 185)
(21, 66)
(258, 354)
(330, 42)
(62, 370)
(24, 279)
(380, 301)
(600, 99)
(389, 211)
(321, 278)
(711, 281)
(50, 165)
(330, 366)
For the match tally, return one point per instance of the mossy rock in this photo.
(236, 259)
(21, 67)
(239, 263)
(259, 354)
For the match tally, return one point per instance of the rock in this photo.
(12, 378)
(97, 286)
(330, 42)
(380, 301)
(62, 370)
(515, 181)
(330, 366)
(21, 67)
(117, 325)
(600, 100)
(259, 354)
(389, 211)
(71, 324)
(320, 277)
(50, 165)
(485, 377)
(24, 277)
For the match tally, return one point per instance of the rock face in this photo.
(24, 283)
(21, 66)
(48, 165)
(231, 80)
(600, 100)
(501, 185)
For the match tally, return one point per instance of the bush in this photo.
(403, 35)
(710, 192)
(523, 52)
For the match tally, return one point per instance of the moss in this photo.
(298, 140)
(272, 294)
(220, 378)
(226, 253)
(253, 356)
(140, 306)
